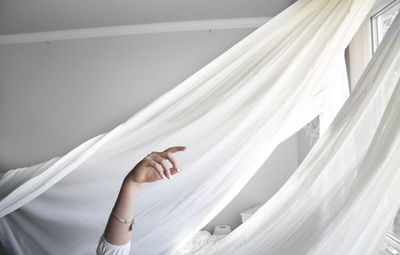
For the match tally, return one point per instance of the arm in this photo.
(153, 167)
(116, 232)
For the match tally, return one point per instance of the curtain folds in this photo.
(231, 114)
(344, 196)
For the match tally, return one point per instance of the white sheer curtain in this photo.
(231, 114)
(335, 95)
(350, 213)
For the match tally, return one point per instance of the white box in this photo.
(249, 212)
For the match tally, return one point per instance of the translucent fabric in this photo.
(344, 196)
(231, 115)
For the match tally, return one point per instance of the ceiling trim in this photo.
(192, 25)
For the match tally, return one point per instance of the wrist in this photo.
(129, 180)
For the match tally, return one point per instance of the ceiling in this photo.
(26, 16)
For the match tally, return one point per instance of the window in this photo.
(381, 21)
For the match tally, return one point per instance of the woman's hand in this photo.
(155, 166)
(152, 168)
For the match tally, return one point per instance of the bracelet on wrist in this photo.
(131, 222)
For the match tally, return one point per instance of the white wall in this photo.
(303, 146)
(265, 183)
(54, 96)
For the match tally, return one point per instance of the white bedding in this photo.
(199, 244)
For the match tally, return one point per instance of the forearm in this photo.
(153, 167)
(117, 232)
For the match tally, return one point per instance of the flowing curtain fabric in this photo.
(231, 114)
(333, 98)
(344, 196)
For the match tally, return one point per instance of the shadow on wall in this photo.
(275, 171)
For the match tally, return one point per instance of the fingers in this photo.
(174, 171)
(175, 149)
(163, 162)
(158, 168)
(173, 161)
(160, 161)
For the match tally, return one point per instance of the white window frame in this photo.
(361, 48)
(379, 10)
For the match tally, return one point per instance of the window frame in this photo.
(360, 50)
(379, 10)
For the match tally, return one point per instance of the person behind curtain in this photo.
(154, 167)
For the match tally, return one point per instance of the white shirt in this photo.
(106, 248)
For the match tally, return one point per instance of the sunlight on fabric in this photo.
(352, 214)
(231, 115)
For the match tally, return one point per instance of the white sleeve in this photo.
(106, 248)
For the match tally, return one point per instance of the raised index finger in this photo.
(175, 149)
